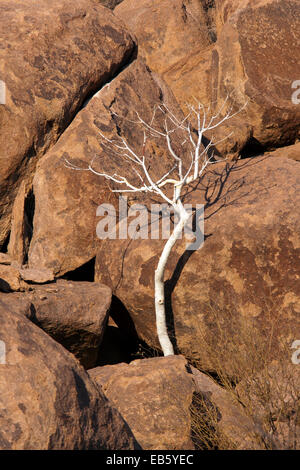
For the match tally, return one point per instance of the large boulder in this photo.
(254, 62)
(53, 55)
(170, 405)
(272, 395)
(73, 313)
(243, 281)
(218, 419)
(167, 33)
(154, 396)
(47, 400)
(66, 200)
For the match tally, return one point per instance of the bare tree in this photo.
(186, 169)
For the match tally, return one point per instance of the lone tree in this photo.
(187, 167)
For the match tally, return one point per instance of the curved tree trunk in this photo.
(160, 309)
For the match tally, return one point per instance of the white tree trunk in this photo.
(160, 309)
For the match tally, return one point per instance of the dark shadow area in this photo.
(253, 148)
(86, 272)
(3, 248)
(119, 341)
(29, 208)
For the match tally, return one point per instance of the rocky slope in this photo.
(80, 364)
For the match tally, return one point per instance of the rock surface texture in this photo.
(47, 400)
(254, 61)
(73, 313)
(154, 396)
(245, 276)
(50, 61)
(65, 221)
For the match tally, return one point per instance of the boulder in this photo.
(66, 200)
(247, 50)
(50, 62)
(73, 313)
(291, 151)
(272, 396)
(153, 395)
(10, 279)
(219, 412)
(5, 259)
(166, 34)
(241, 286)
(47, 400)
(37, 276)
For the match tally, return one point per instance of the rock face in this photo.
(20, 230)
(109, 3)
(274, 392)
(166, 34)
(154, 396)
(10, 279)
(243, 279)
(47, 401)
(254, 61)
(50, 61)
(73, 313)
(64, 234)
(291, 151)
(217, 410)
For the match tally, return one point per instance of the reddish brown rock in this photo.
(166, 34)
(20, 230)
(47, 400)
(37, 276)
(272, 395)
(291, 151)
(73, 313)
(254, 61)
(64, 234)
(5, 258)
(219, 411)
(10, 279)
(245, 278)
(154, 396)
(50, 62)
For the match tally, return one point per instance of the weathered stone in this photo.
(50, 61)
(38, 276)
(166, 34)
(47, 401)
(73, 313)
(154, 396)
(254, 62)
(19, 233)
(291, 151)
(65, 221)
(245, 278)
(272, 395)
(217, 410)
(5, 258)
(10, 279)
